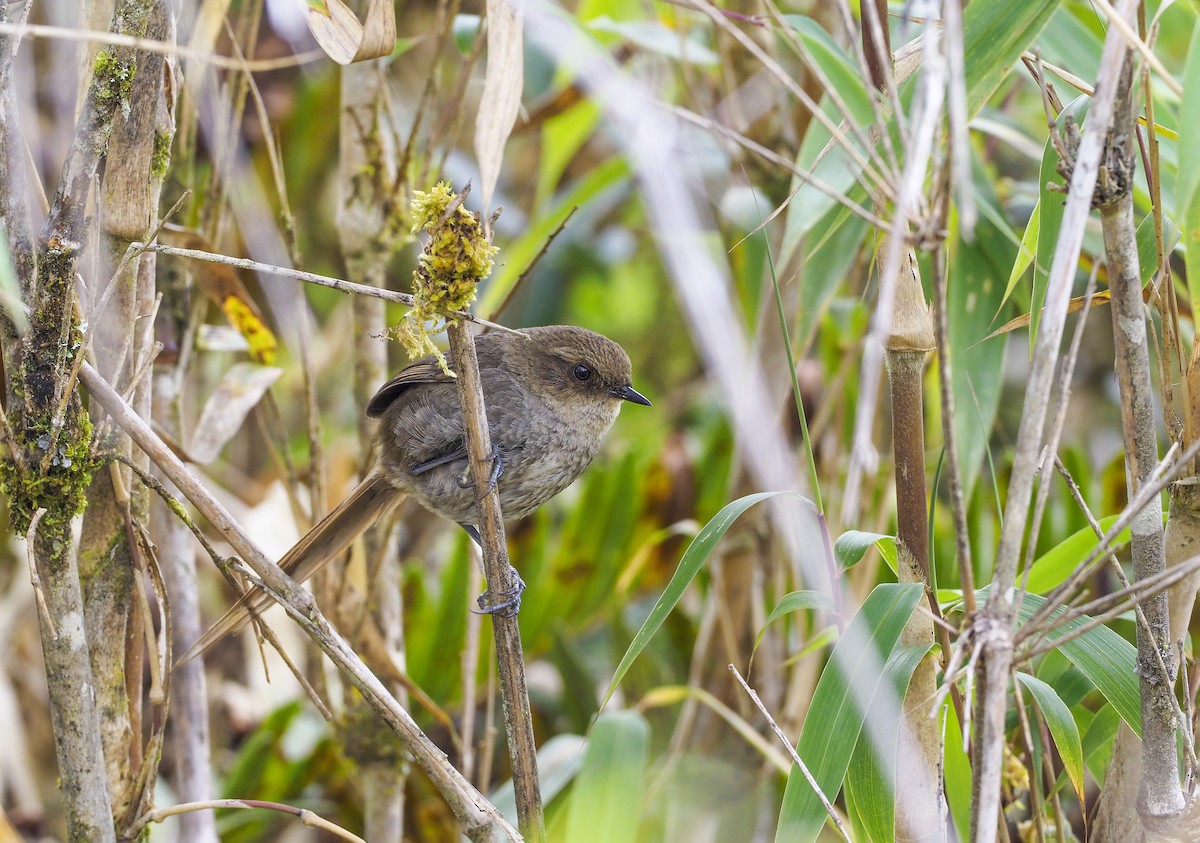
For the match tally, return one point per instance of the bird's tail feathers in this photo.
(373, 498)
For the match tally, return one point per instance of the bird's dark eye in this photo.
(582, 372)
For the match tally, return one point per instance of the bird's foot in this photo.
(497, 469)
(506, 604)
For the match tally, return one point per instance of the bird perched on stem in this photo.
(552, 394)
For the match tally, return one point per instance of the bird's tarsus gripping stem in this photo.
(507, 603)
(497, 469)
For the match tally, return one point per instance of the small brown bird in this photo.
(551, 398)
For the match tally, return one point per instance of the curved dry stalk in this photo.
(307, 817)
(479, 818)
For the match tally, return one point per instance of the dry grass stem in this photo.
(150, 45)
(796, 759)
(307, 817)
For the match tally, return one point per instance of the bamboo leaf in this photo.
(1025, 254)
(994, 37)
(869, 796)
(608, 792)
(973, 298)
(1063, 728)
(852, 545)
(847, 686)
(795, 601)
(693, 559)
(1187, 190)
(1103, 656)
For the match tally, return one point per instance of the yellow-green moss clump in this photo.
(457, 257)
(63, 488)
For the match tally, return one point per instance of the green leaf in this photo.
(957, 773)
(1062, 725)
(558, 761)
(609, 791)
(973, 299)
(693, 559)
(795, 601)
(1098, 740)
(830, 249)
(1104, 657)
(1148, 246)
(868, 794)
(819, 154)
(994, 37)
(1053, 567)
(834, 719)
(562, 138)
(1187, 187)
(1025, 254)
(852, 545)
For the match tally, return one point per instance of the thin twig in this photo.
(34, 578)
(1131, 38)
(528, 269)
(796, 759)
(225, 566)
(849, 119)
(309, 818)
(310, 277)
(1165, 472)
(872, 179)
(150, 45)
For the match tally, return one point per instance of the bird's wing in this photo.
(428, 370)
(423, 371)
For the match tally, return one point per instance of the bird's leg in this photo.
(509, 603)
(497, 469)
(506, 604)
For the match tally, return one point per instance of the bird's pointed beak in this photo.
(628, 393)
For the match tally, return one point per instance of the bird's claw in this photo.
(506, 604)
(497, 462)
